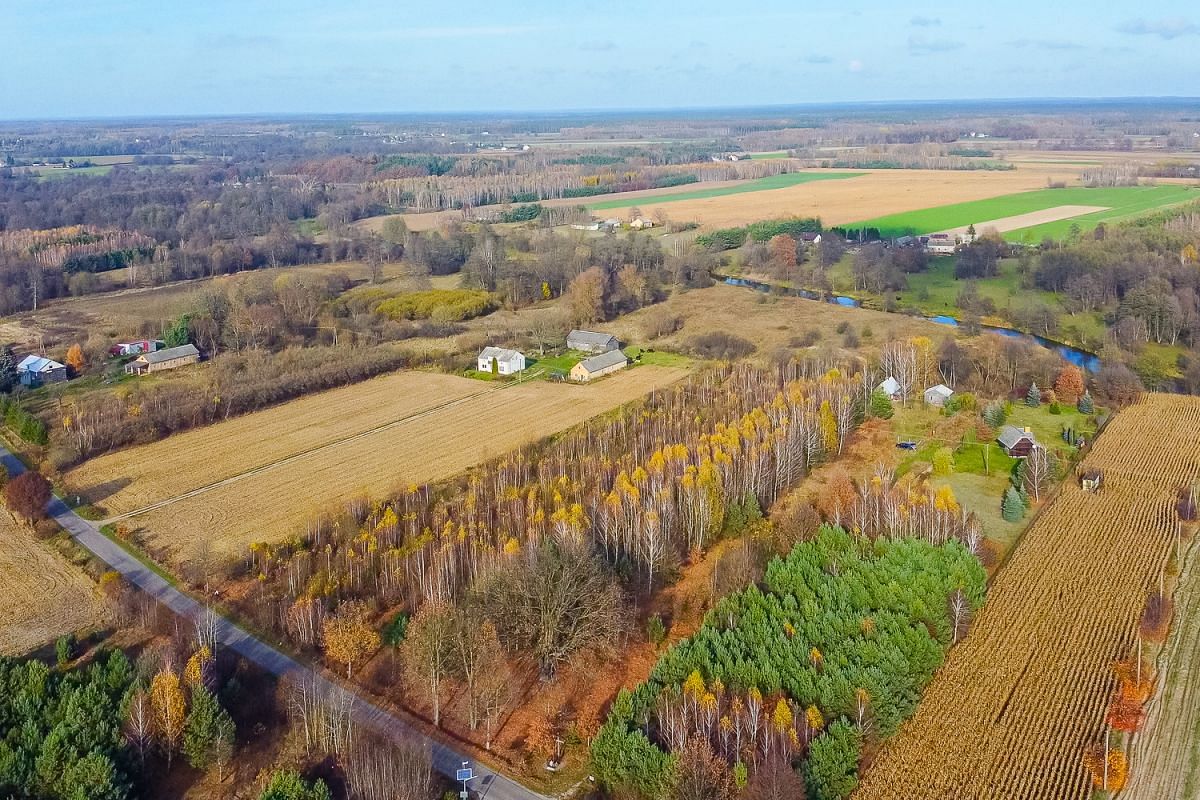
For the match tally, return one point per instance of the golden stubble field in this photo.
(242, 484)
(1017, 703)
(44, 596)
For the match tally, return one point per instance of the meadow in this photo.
(45, 597)
(783, 181)
(1120, 203)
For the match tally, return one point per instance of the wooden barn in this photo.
(592, 342)
(1017, 442)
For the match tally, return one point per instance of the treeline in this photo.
(791, 683)
(233, 384)
(730, 238)
(639, 490)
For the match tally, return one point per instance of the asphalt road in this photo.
(486, 784)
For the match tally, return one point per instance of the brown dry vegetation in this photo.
(1016, 705)
(269, 504)
(44, 596)
(769, 322)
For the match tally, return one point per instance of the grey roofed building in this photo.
(591, 341)
(1015, 441)
(171, 353)
(603, 361)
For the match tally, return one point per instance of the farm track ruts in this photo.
(44, 596)
(1016, 704)
(271, 504)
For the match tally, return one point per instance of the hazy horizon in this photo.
(134, 59)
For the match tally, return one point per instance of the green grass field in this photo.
(757, 185)
(51, 174)
(765, 156)
(1122, 203)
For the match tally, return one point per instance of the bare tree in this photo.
(139, 724)
(381, 770)
(1037, 470)
(960, 613)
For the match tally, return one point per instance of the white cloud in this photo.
(925, 22)
(1171, 28)
(919, 43)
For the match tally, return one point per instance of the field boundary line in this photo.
(294, 457)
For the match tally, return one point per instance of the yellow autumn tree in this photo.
(198, 667)
(170, 710)
(816, 722)
(75, 358)
(348, 635)
(829, 429)
(782, 717)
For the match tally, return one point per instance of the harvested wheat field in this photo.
(44, 596)
(270, 503)
(136, 477)
(1016, 705)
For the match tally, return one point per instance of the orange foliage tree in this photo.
(1068, 386)
(348, 636)
(1109, 771)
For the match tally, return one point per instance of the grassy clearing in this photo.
(1123, 202)
(640, 356)
(53, 174)
(761, 184)
(766, 156)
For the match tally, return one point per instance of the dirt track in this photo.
(1018, 221)
(1165, 758)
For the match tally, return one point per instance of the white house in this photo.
(938, 395)
(508, 362)
(891, 387)
(36, 370)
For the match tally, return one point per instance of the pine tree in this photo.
(8, 370)
(993, 415)
(208, 728)
(1034, 398)
(881, 405)
(1012, 508)
(1085, 404)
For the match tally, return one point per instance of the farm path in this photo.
(407, 419)
(1165, 758)
(488, 785)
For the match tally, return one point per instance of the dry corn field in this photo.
(1016, 704)
(260, 477)
(44, 596)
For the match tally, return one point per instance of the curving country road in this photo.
(487, 785)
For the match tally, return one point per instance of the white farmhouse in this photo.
(508, 362)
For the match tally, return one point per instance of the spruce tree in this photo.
(8, 370)
(1034, 398)
(208, 728)
(1012, 509)
(1085, 404)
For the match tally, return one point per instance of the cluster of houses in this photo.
(606, 349)
(1017, 442)
(614, 224)
(152, 356)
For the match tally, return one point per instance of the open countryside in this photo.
(417, 446)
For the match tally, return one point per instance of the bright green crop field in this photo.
(757, 185)
(1124, 202)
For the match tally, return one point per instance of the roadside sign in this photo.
(464, 775)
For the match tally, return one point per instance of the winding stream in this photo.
(1080, 358)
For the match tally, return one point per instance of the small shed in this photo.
(1017, 442)
(594, 367)
(891, 387)
(38, 370)
(508, 362)
(938, 395)
(1091, 479)
(160, 360)
(592, 342)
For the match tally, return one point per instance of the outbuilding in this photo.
(38, 370)
(592, 342)
(891, 387)
(594, 367)
(1017, 442)
(160, 360)
(508, 362)
(938, 395)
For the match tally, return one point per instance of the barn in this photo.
(891, 387)
(160, 360)
(1017, 442)
(594, 367)
(938, 395)
(38, 370)
(508, 362)
(592, 342)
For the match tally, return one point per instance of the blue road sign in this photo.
(464, 775)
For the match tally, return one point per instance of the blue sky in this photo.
(135, 57)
